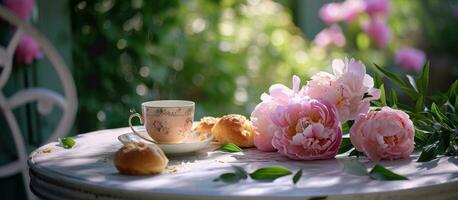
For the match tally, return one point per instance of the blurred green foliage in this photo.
(220, 54)
(223, 54)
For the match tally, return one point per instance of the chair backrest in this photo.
(45, 98)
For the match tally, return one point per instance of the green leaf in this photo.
(381, 173)
(240, 172)
(453, 91)
(412, 82)
(228, 178)
(297, 176)
(66, 142)
(409, 91)
(345, 146)
(456, 105)
(269, 173)
(356, 153)
(377, 80)
(391, 76)
(382, 95)
(394, 98)
(423, 81)
(440, 116)
(353, 166)
(229, 147)
(419, 105)
(444, 143)
(428, 153)
(420, 138)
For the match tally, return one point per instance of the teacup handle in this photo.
(133, 115)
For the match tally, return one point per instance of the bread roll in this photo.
(235, 129)
(206, 124)
(140, 159)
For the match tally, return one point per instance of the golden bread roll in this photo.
(140, 159)
(206, 124)
(235, 129)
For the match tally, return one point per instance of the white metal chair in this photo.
(44, 97)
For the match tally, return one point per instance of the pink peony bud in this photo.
(351, 9)
(307, 129)
(331, 35)
(260, 117)
(378, 31)
(27, 50)
(386, 134)
(377, 7)
(350, 89)
(22, 8)
(331, 13)
(410, 59)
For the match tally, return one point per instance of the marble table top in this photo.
(86, 171)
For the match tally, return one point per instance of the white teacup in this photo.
(166, 121)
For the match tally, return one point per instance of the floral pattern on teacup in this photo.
(172, 112)
(161, 127)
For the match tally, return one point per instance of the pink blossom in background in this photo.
(22, 8)
(377, 7)
(455, 10)
(378, 31)
(331, 13)
(351, 9)
(330, 35)
(410, 59)
(27, 50)
(260, 117)
(350, 89)
(386, 134)
(308, 129)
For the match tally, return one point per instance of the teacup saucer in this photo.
(178, 148)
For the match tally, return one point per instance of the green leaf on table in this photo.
(229, 147)
(353, 166)
(345, 146)
(379, 172)
(391, 76)
(297, 176)
(269, 173)
(239, 171)
(228, 178)
(444, 142)
(423, 81)
(429, 153)
(66, 142)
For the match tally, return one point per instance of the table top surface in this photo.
(89, 168)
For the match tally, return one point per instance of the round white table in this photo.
(87, 172)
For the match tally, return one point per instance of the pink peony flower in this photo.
(377, 7)
(350, 89)
(308, 129)
(27, 50)
(331, 35)
(378, 31)
(22, 8)
(331, 13)
(351, 9)
(410, 59)
(385, 134)
(260, 117)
